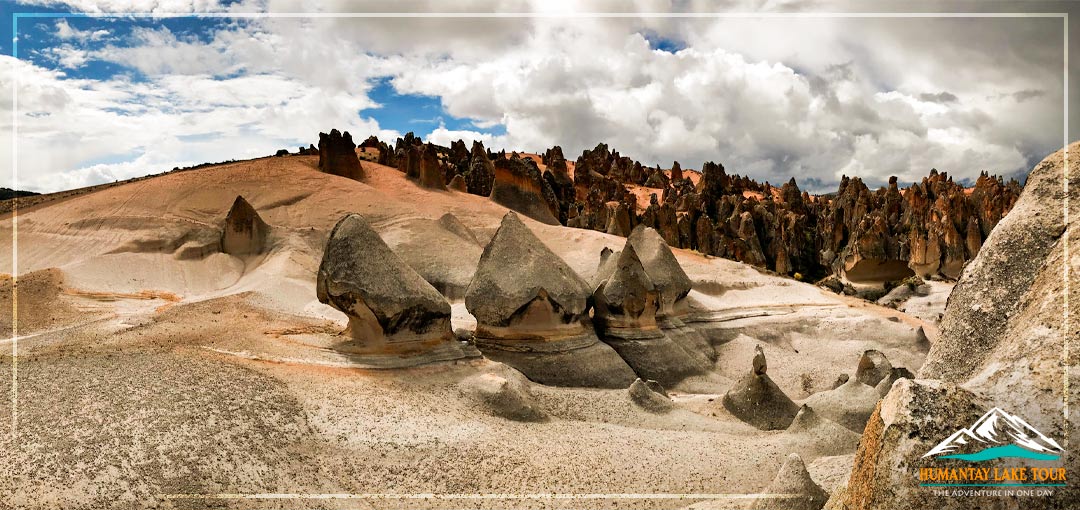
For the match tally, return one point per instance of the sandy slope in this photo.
(198, 372)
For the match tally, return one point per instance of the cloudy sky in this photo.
(787, 94)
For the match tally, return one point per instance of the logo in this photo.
(997, 434)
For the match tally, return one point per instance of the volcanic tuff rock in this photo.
(1001, 344)
(520, 186)
(650, 396)
(873, 367)
(244, 233)
(431, 173)
(793, 478)
(532, 314)
(757, 400)
(481, 175)
(627, 307)
(337, 155)
(391, 309)
(850, 404)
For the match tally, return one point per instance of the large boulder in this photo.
(1001, 345)
(337, 155)
(532, 313)
(244, 233)
(392, 311)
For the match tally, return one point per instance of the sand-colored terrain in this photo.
(151, 364)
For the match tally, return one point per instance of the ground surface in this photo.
(150, 365)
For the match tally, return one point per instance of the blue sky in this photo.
(813, 98)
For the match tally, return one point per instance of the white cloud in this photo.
(814, 98)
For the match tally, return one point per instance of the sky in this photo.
(787, 94)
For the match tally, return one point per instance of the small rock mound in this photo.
(850, 404)
(245, 233)
(793, 479)
(532, 311)
(814, 430)
(504, 395)
(757, 400)
(650, 396)
(391, 309)
(337, 155)
(873, 367)
(661, 266)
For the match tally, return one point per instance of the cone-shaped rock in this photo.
(337, 155)
(821, 435)
(661, 266)
(392, 310)
(793, 479)
(627, 304)
(245, 233)
(757, 400)
(532, 311)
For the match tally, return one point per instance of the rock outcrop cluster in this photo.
(929, 228)
(337, 155)
(392, 310)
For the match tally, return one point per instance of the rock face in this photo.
(481, 175)
(244, 233)
(1001, 345)
(431, 173)
(793, 479)
(392, 311)
(337, 155)
(532, 314)
(757, 400)
(519, 186)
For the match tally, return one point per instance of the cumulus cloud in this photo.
(813, 98)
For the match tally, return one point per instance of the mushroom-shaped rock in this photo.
(337, 155)
(627, 303)
(849, 405)
(532, 311)
(392, 310)
(650, 396)
(245, 233)
(793, 489)
(873, 367)
(661, 266)
(757, 400)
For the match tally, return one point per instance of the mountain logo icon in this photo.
(995, 435)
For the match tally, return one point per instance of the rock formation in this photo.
(504, 394)
(457, 183)
(872, 368)
(815, 433)
(757, 400)
(244, 233)
(627, 305)
(392, 311)
(792, 480)
(481, 175)
(1001, 345)
(337, 155)
(650, 396)
(431, 173)
(519, 186)
(850, 404)
(532, 314)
